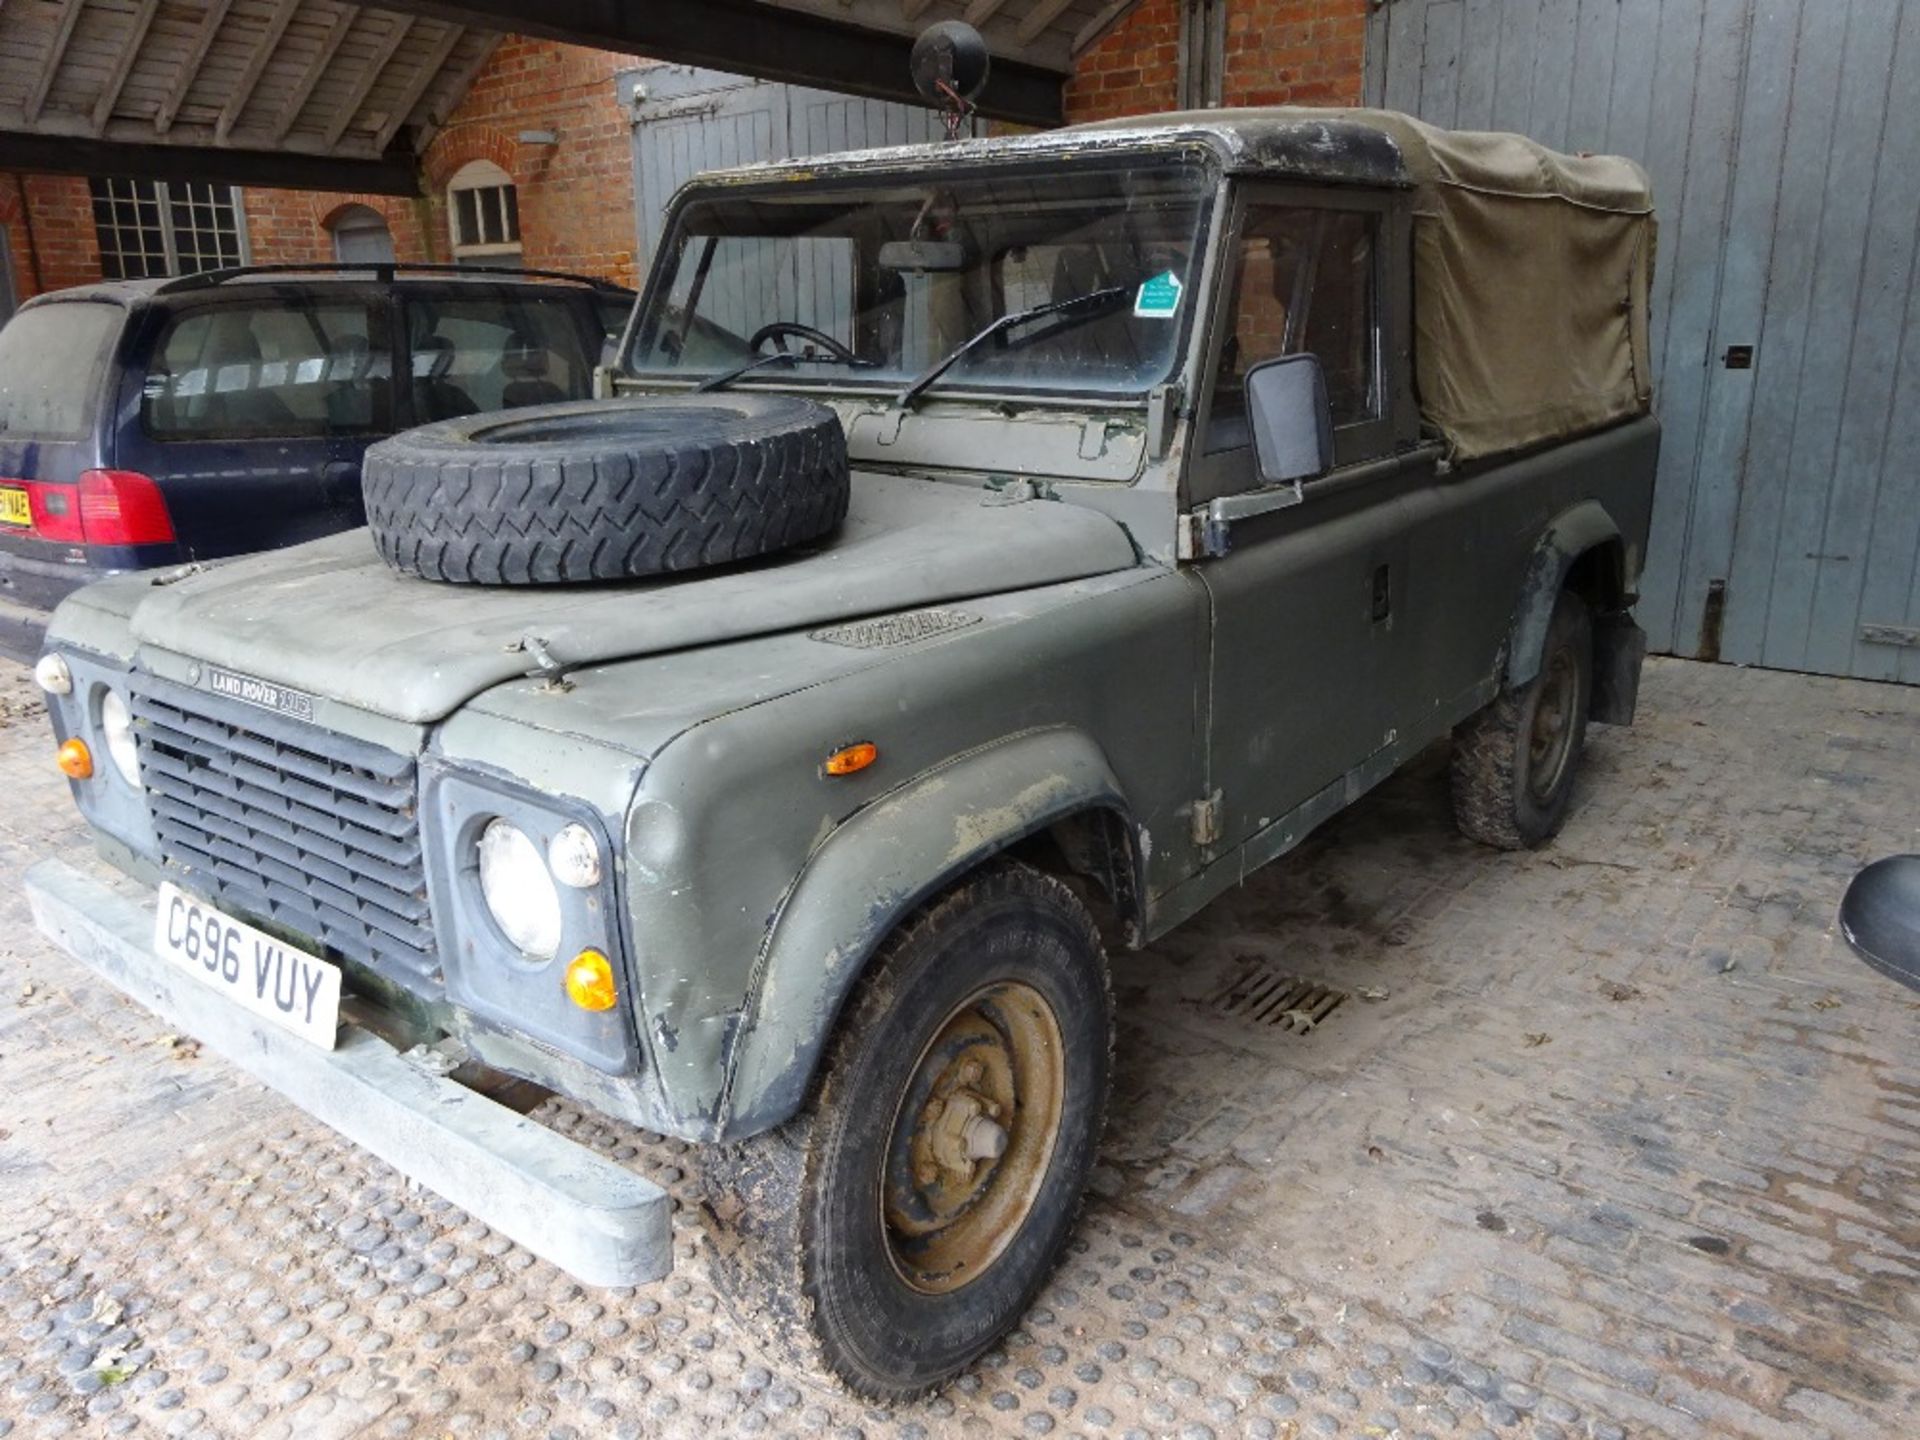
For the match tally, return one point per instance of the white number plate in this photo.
(293, 989)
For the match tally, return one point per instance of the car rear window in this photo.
(497, 352)
(280, 368)
(51, 359)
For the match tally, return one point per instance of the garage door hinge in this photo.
(1206, 819)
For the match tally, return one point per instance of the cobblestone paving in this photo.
(1610, 1139)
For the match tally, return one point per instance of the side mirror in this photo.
(1291, 419)
(1880, 917)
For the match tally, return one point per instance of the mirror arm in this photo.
(1208, 533)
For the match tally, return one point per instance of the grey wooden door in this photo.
(1787, 171)
(687, 120)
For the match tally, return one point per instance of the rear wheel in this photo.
(906, 1218)
(1514, 762)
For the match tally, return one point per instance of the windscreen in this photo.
(874, 283)
(51, 361)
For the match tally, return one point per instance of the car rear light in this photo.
(123, 507)
(107, 507)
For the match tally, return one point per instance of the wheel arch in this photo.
(1582, 549)
(1047, 790)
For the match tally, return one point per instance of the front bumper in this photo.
(600, 1223)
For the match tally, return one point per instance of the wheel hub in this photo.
(972, 1137)
(1550, 739)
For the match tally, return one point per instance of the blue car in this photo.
(151, 422)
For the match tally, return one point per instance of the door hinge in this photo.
(1163, 414)
(1206, 819)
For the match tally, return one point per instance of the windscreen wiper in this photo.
(759, 362)
(1088, 306)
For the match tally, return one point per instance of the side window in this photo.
(470, 355)
(288, 369)
(1306, 280)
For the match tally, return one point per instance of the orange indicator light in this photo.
(590, 981)
(76, 761)
(852, 759)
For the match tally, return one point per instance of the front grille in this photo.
(289, 823)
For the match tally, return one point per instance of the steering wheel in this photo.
(779, 330)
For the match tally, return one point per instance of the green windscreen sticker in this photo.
(1159, 298)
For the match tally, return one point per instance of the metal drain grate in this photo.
(1261, 995)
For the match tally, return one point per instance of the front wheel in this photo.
(906, 1218)
(1514, 761)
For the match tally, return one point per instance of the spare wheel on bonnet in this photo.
(606, 489)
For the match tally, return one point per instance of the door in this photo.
(686, 121)
(361, 237)
(1306, 626)
(253, 414)
(1787, 515)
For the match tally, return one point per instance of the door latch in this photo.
(1206, 819)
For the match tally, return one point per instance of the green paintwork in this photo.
(1208, 711)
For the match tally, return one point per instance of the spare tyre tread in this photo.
(464, 502)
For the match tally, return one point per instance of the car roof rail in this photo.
(384, 273)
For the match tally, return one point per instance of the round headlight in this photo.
(518, 890)
(574, 858)
(116, 727)
(52, 674)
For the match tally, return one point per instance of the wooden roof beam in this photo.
(769, 42)
(123, 64)
(1100, 24)
(190, 64)
(397, 28)
(249, 80)
(455, 89)
(43, 82)
(424, 76)
(1038, 19)
(343, 18)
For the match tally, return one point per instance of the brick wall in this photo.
(60, 244)
(1134, 69)
(1278, 52)
(576, 197)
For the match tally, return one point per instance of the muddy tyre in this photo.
(906, 1218)
(606, 490)
(1514, 761)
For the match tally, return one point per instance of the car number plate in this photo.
(274, 980)
(15, 508)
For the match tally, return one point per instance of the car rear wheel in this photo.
(906, 1218)
(1514, 761)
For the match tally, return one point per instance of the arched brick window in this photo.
(360, 236)
(483, 215)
